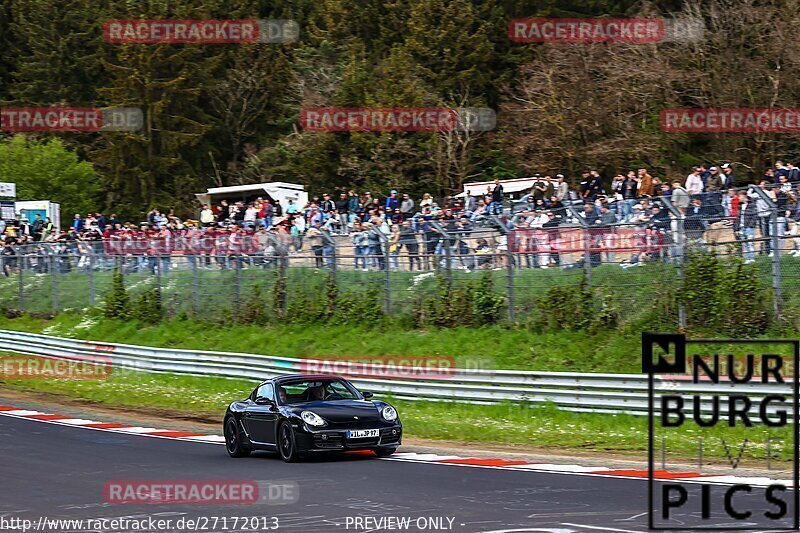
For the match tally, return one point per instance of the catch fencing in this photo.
(216, 275)
(582, 392)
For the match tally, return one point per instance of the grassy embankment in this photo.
(540, 426)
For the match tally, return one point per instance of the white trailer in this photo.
(279, 191)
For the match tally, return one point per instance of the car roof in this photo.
(301, 377)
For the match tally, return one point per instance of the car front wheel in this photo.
(287, 445)
(233, 440)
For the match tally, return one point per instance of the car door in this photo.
(260, 419)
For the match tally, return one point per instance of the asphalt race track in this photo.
(60, 472)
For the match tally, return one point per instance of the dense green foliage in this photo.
(117, 301)
(473, 304)
(48, 170)
(228, 114)
(118, 304)
(723, 296)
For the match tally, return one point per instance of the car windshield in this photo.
(316, 390)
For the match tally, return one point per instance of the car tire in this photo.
(287, 444)
(385, 452)
(234, 443)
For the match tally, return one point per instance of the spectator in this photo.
(496, 207)
(680, 197)
(792, 173)
(630, 192)
(77, 222)
(343, 204)
(541, 188)
(713, 196)
(695, 223)
(327, 205)
(392, 201)
(562, 188)
(727, 177)
(764, 212)
(207, 216)
(694, 182)
(353, 203)
(745, 224)
(645, 183)
(427, 201)
(38, 226)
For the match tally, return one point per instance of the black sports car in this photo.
(301, 414)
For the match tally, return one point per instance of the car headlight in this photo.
(312, 419)
(389, 413)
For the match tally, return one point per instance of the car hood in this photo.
(342, 410)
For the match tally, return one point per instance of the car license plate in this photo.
(363, 433)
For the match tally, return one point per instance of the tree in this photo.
(47, 170)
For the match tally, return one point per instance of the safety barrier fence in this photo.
(590, 392)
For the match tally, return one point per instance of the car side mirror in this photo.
(367, 395)
(261, 400)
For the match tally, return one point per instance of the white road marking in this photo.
(598, 528)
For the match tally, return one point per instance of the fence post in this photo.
(54, 263)
(680, 242)
(587, 248)
(282, 267)
(282, 253)
(332, 244)
(776, 262)
(387, 273)
(445, 237)
(196, 283)
(21, 281)
(91, 277)
(238, 278)
(503, 229)
(775, 245)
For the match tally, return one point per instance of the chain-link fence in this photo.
(628, 250)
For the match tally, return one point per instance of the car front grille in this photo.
(332, 441)
(360, 443)
(388, 438)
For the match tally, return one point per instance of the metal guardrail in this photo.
(591, 392)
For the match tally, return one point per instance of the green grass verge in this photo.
(489, 347)
(542, 426)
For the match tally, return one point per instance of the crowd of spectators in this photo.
(428, 227)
